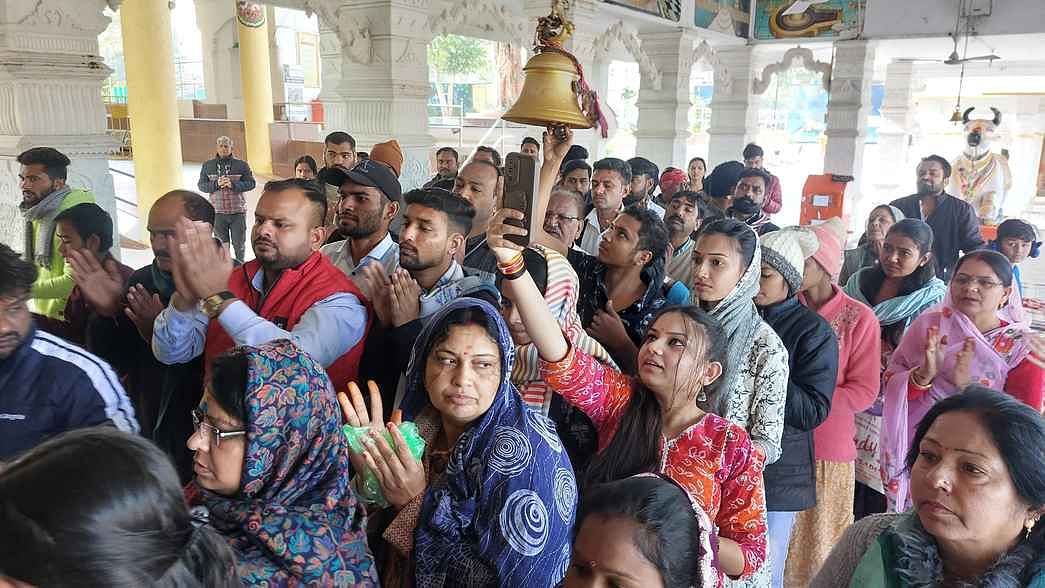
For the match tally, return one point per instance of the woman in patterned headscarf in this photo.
(271, 463)
(494, 503)
(557, 281)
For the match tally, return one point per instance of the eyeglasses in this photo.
(214, 435)
(561, 218)
(981, 283)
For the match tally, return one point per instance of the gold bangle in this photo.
(919, 385)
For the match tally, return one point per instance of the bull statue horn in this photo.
(997, 116)
(965, 115)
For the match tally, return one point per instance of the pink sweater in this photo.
(859, 374)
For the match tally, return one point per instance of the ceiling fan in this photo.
(957, 35)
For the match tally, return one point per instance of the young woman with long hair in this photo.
(652, 423)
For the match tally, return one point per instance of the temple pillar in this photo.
(734, 110)
(897, 129)
(382, 77)
(151, 100)
(256, 77)
(664, 102)
(51, 77)
(847, 108)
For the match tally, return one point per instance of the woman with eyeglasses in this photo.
(966, 340)
(271, 469)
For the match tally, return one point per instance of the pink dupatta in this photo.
(996, 352)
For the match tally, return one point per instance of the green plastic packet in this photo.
(370, 488)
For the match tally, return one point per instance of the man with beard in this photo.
(609, 183)
(435, 224)
(447, 161)
(953, 220)
(370, 196)
(753, 159)
(339, 150)
(684, 216)
(480, 182)
(289, 291)
(44, 195)
(49, 385)
(227, 180)
(163, 395)
(644, 177)
(748, 196)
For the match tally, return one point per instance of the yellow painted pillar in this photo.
(255, 75)
(151, 100)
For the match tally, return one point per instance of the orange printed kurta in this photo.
(713, 458)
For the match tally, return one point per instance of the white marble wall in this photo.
(50, 95)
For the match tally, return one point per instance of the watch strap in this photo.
(212, 303)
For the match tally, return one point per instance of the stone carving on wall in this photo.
(629, 38)
(56, 26)
(796, 55)
(704, 52)
(489, 16)
(53, 15)
(352, 36)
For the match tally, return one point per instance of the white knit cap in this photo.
(785, 250)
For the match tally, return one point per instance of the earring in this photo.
(1029, 527)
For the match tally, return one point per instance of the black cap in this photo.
(368, 172)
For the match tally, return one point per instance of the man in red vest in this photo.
(290, 291)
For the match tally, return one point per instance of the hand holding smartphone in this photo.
(520, 191)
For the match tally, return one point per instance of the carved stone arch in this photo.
(704, 52)
(802, 56)
(486, 15)
(629, 38)
(347, 38)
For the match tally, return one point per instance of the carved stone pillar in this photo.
(898, 126)
(847, 109)
(51, 78)
(734, 110)
(375, 51)
(664, 99)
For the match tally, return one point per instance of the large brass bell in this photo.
(549, 96)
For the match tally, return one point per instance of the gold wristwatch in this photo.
(212, 304)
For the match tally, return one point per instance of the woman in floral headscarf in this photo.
(557, 281)
(493, 504)
(271, 463)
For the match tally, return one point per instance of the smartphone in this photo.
(520, 191)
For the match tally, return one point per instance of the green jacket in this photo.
(53, 285)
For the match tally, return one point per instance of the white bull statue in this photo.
(982, 177)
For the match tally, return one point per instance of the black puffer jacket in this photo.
(813, 358)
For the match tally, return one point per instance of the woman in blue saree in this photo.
(493, 501)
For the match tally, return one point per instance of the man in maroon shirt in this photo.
(83, 230)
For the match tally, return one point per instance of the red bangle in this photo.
(513, 268)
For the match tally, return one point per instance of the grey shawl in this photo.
(39, 250)
(739, 319)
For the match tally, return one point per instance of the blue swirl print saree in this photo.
(503, 514)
